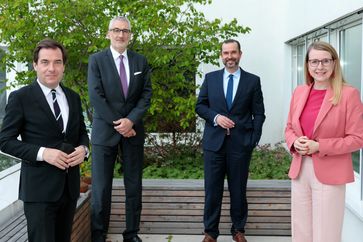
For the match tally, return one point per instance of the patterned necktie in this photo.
(229, 93)
(57, 111)
(123, 76)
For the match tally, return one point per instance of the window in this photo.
(301, 51)
(351, 54)
(351, 61)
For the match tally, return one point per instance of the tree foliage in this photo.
(173, 34)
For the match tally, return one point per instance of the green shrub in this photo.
(270, 162)
(179, 165)
(184, 162)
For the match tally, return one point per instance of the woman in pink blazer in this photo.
(324, 127)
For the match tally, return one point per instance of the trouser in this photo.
(317, 209)
(235, 164)
(50, 221)
(103, 160)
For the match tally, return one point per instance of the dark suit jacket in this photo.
(108, 100)
(247, 111)
(28, 114)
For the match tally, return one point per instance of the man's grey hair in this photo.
(119, 18)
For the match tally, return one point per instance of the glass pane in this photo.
(351, 61)
(300, 64)
(351, 55)
(324, 38)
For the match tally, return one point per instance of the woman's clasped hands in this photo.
(305, 146)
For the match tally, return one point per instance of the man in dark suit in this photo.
(53, 143)
(231, 103)
(120, 90)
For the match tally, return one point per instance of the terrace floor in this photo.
(198, 238)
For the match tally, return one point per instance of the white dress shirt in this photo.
(63, 105)
(117, 59)
(236, 77)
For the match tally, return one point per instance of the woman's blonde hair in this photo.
(336, 79)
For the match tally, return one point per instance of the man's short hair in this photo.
(228, 41)
(119, 18)
(49, 44)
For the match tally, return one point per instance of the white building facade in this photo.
(275, 50)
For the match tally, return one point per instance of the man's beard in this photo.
(235, 63)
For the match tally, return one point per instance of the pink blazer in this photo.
(338, 129)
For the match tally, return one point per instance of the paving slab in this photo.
(197, 238)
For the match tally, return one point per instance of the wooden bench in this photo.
(176, 207)
(15, 230)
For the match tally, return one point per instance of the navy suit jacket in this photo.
(108, 100)
(28, 114)
(247, 111)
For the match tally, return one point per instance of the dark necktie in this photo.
(229, 93)
(57, 111)
(123, 76)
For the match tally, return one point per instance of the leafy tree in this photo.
(174, 36)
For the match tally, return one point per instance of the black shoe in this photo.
(133, 239)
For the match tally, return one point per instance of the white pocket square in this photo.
(137, 73)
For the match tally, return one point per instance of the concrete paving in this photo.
(197, 238)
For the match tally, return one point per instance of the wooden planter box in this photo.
(176, 207)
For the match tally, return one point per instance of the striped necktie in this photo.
(57, 111)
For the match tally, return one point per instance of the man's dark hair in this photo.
(228, 41)
(49, 44)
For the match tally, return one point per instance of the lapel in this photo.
(42, 103)
(116, 75)
(304, 95)
(239, 87)
(219, 88)
(301, 102)
(71, 107)
(131, 60)
(324, 109)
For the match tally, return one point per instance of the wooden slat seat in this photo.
(15, 230)
(176, 207)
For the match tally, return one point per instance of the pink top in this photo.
(311, 110)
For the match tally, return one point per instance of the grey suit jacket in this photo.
(108, 101)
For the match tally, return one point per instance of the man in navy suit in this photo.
(120, 90)
(231, 103)
(48, 117)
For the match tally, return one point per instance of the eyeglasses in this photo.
(324, 62)
(117, 31)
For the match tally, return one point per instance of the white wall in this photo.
(306, 15)
(264, 50)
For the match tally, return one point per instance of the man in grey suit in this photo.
(231, 103)
(48, 117)
(120, 91)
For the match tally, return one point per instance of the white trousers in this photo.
(317, 210)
